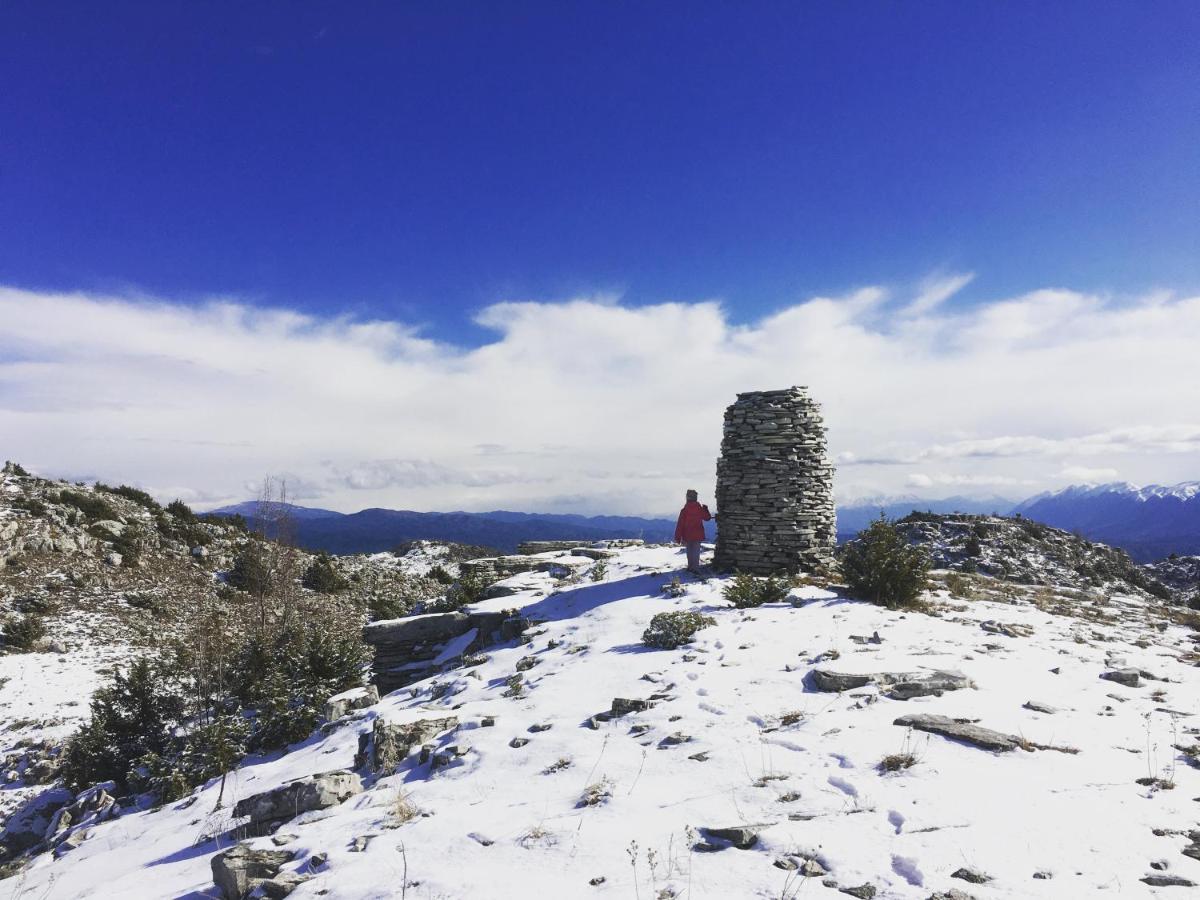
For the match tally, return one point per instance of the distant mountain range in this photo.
(377, 530)
(1148, 522)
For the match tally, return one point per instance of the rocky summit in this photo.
(542, 743)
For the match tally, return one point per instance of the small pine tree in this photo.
(323, 577)
(882, 567)
(746, 591)
(181, 511)
(599, 570)
(252, 570)
(23, 634)
(670, 629)
(973, 548)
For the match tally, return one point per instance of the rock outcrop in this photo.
(290, 800)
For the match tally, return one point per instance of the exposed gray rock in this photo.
(1127, 677)
(1168, 881)
(952, 894)
(975, 735)
(741, 836)
(1036, 706)
(386, 745)
(281, 885)
(1008, 629)
(972, 875)
(28, 825)
(304, 795)
(240, 869)
(862, 892)
(622, 706)
(348, 701)
(897, 685)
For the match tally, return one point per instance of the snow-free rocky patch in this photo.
(614, 767)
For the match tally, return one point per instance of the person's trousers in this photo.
(693, 554)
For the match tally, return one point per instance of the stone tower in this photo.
(774, 486)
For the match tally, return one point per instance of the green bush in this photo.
(31, 505)
(470, 587)
(129, 544)
(323, 577)
(674, 588)
(670, 629)
(440, 575)
(181, 511)
(92, 507)
(882, 567)
(24, 633)
(137, 495)
(599, 570)
(1194, 601)
(746, 591)
(973, 548)
(251, 570)
(134, 716)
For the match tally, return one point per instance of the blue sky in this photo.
(421, 161)
(520, 255)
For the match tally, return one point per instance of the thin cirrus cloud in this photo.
(595, 404)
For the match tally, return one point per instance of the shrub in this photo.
(15, 468)
(91, 506)
(24, 633)
(251, 570)
(973, 548)
(31, 505)
(599, 570)
(134, 716)
(440, 575)
(129, 545)
(746, 591)
(137, 495)
(323, 577)
(181, 511)
(674, 588)
(882, 567)
(670, 629)
(1194, 601)
(470, 587)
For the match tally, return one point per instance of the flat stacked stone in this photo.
(774, 486)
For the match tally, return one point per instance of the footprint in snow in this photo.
(844, 786)
(906, 868)
(896, 820)
(843, 761)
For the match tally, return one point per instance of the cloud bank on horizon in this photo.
(590, 405)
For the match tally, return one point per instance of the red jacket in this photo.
(690, 526)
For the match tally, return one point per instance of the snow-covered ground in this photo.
(746, 744)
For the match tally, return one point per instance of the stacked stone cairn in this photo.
(774, 486)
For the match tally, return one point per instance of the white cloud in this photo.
(1088, 476)
(591, 404)
(936, 290)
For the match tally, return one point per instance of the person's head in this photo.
(692, 496)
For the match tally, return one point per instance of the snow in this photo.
(505, 823)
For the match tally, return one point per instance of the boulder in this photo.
(386, 745)
(27, 826)
(896, 685)
(241, 869)
(348, 701)
(304, 795)
(1127, 677)
(622, 706)
(109, 528)
(741, 836)
(72, 824)
(975, 735)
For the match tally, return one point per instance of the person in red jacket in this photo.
(689, 529)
